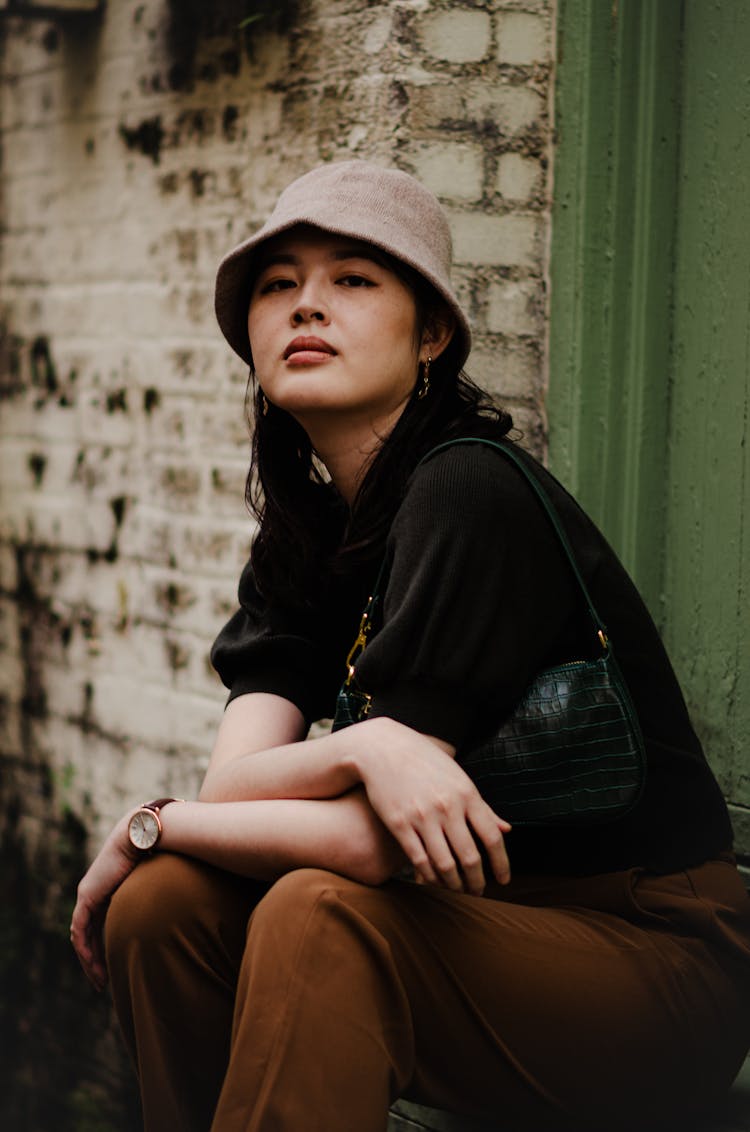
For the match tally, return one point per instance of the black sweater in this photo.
(477, 598)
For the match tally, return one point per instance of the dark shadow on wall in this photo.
(62, 1068)
(244, 21)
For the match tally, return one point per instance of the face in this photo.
(333, 329)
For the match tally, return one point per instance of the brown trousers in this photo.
(617, 1002)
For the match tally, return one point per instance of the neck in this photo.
(347, 446)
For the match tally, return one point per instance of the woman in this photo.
(273, 963)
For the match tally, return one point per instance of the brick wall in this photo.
(137, 146)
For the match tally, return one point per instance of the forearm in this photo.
(268, 837)
(311, 769)
(261, 752)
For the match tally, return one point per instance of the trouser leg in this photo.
(549, 1017)
(322, 1037)
(175, 934)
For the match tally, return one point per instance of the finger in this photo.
(85, 958)
(427, 873)
(489, 828)
(86, 940)
(466, 853)
(415, 851)
(441, 857)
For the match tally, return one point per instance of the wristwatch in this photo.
(144, 828)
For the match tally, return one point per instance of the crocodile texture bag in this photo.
(571, 751)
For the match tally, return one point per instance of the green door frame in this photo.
(649, 401)
(617, 119)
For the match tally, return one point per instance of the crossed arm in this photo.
(362, 802)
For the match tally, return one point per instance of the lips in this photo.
(306, 344)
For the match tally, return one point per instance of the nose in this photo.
(308, 312)
(310, 306)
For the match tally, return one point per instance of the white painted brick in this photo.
(507, 372)
(12, 729)
(532, 426)
(100, 426)
(13, 679)
(464, 284)
(110, 590)
(513, 109)
(451, 169)
(149, 537)
(514, 308)
(163, 719)
(14, 472)
(377, 33)
(518, 178)
(520, 5)
(65, 693)
(457, 35)
(56, 522)
(175, 485)
(224, 427)
(503, 241)
(8, 564)
(522, 38)
(226, 488)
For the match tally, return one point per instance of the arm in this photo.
(259, 754)
(427, 803)
(417, 804)
(262, 839)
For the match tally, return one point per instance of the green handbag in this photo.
(571, 751)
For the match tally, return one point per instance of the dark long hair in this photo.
(306, 534)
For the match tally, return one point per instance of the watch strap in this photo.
(158, 805)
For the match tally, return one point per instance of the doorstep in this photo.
(733, 1115)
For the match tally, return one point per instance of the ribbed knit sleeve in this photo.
(477, 597)
(268, 649)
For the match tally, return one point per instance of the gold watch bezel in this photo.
(144, 818)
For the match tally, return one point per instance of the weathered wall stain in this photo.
(147, 137)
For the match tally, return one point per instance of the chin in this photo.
(311, 398)
(310, 407)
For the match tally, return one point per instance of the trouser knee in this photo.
(293, 897)
(171, 902)
(325, 922)
(149, 904)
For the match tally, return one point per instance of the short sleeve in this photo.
(265, 648)
(477, 601)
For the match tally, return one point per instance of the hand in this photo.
(431, 806)
(115, 861)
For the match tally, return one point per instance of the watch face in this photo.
(144, 829)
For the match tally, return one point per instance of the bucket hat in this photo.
(384, 207)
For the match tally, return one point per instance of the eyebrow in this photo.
(280, 258)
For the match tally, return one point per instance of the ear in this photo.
(437, 334)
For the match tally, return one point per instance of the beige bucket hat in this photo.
(384, 207)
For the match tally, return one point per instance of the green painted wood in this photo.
(707, 625)
(650, 325)
(611, 269)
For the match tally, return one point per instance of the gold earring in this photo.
(425, 387)
(263, 404)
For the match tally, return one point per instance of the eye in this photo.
(352, 280)
(273, 285)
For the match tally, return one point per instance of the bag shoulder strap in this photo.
(550, 511)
